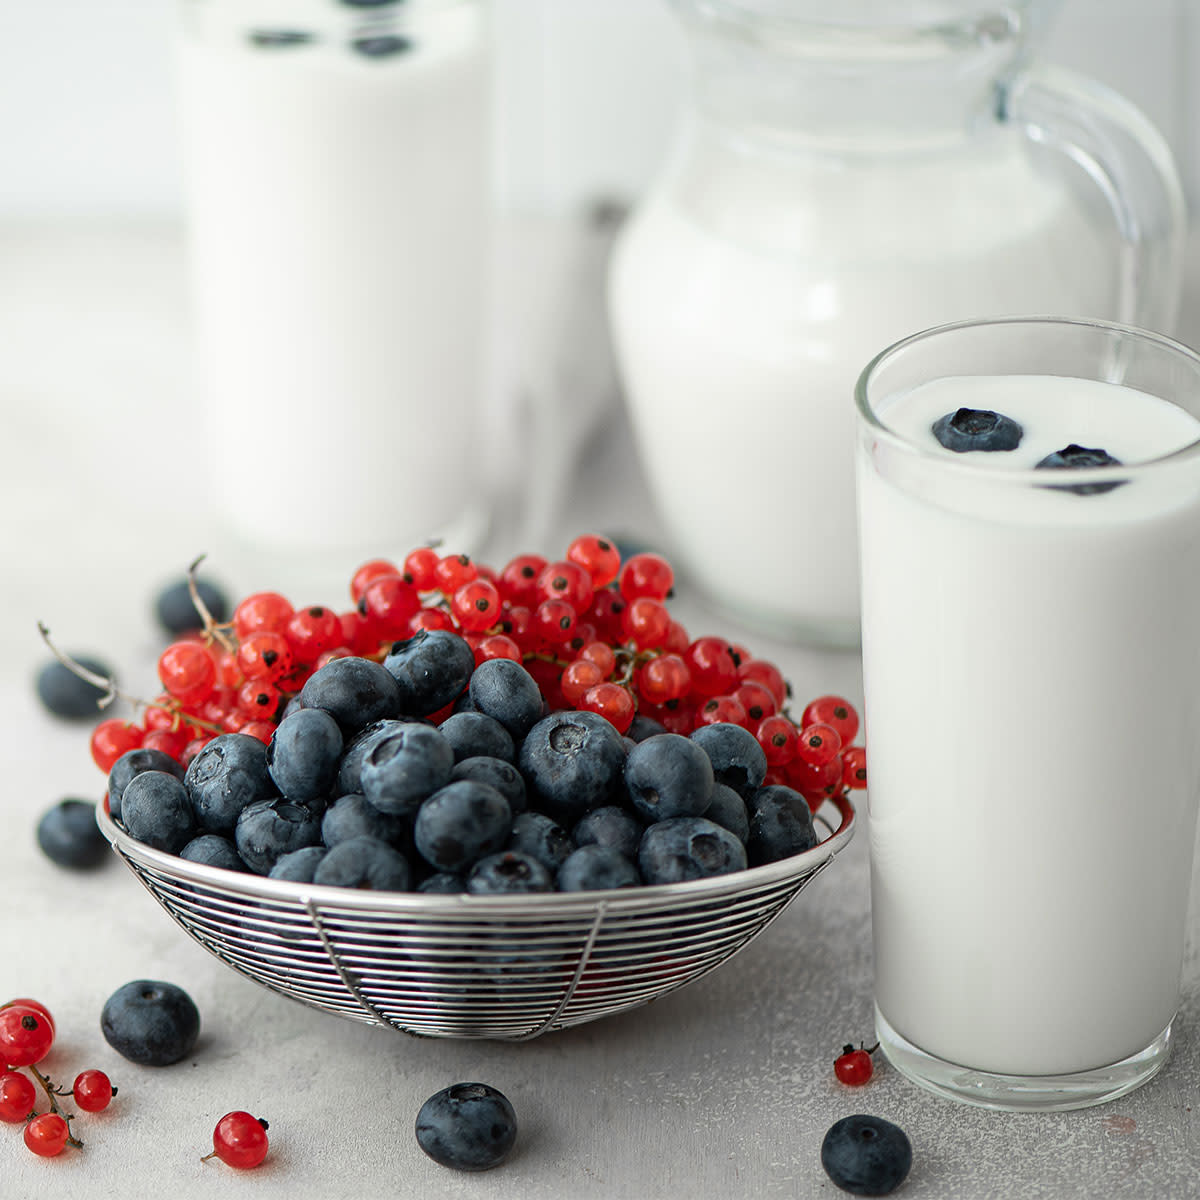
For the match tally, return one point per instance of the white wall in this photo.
(586, 94)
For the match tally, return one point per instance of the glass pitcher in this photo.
(842, 179)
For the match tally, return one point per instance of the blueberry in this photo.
(503, 776)
(298, 865)
(684, 848)
(1073, 457)
(303, 754)
(540, 837)
(229, 773)
(213, 850)
(69, 836)
(430, 669)
(509, 872)
(367, 863)
(150, 1022)
(668, 776)
(406, 767)
(728, 810)
(461, 823)
(737, 759)
(353, 816)
(176, 612)
(382, 45)
(155, 809)
(610, 826)
(572, 762)
(780, 825)
(591, 868)
(866, 1156)
(353, 691)
(65, 695)
(469, 1127)
(977, 429)
(443, 883)
(134, 762)
(643, 727)
(349, 778)
(269, 829)
(476, 735)
(503, 689)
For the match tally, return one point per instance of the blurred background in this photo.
(101, 494)
(586, 91)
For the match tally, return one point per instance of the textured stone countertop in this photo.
(722, 1089)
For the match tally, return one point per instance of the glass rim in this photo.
(1063, 477)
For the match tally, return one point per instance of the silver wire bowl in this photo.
(462, 966)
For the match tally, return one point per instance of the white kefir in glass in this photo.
(1032, 685)
(337, 197)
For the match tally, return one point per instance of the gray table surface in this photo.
(722, 1089)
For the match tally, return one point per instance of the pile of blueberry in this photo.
(359, 788)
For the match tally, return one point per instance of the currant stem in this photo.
(105, 682)
(51, 1091)
(211, 627)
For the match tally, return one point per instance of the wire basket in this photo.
(464, 966)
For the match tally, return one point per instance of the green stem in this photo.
(51, 1092)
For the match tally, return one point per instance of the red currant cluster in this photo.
(595, 632)
(26, 1035)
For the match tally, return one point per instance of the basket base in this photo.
(1021, 1093)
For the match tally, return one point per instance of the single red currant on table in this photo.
(855, 1066)
(93, 1090)
(239, 1140)
(46, 1135)
(17, 1097)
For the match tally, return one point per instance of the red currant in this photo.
(265, 656)
(759, 670)
(597, 556)
(36, 1005)
(452, 572)
(832, 710)
(605, 613)
(93, 1090)
(258, 699)
(25, 1036)
(17, 1097)
(389, 603)
(47, 1134)
(646, 623)
(240, 1140)
(678, 639)
(664, 678)
(431, 619)
(602, 654)
(476, 605)
(854, 767)
(854, 1067)
(111, 738)
(518, 582)
(263, 730)
(548, 675)
(712, 667)
(611, 701)
(420, 568)
(819, 744)
(646, 575)
(554, 621)
(757, 699)
(187, 671)
(778, 738)
(815, 784)
(567, 581)
(497, 645)
(171, 742)
(312, 631)
(262, 611)
(368, 571)
(578, 677)
(722, 710)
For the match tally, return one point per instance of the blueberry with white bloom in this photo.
(406, 767)
(229, 773)
(468, 1127)
(668, 776)
(684, 848)
(366, 863)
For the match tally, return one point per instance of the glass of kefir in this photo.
(844, 173)
(1029, 517)
(336, 171)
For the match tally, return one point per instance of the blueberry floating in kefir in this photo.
(1073, 457)
(977, 429)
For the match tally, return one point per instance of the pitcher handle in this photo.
(1127, 157)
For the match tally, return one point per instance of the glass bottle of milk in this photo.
(841, 179)
(337, 196)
